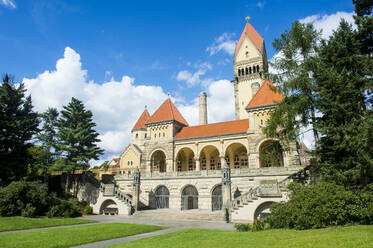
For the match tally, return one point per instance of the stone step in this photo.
(172, 214)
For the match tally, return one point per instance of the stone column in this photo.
(136, 185)
(226, 189)
(198, 166)
(202, 108)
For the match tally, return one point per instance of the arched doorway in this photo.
(109, 207)
(189, 198)
(185, 160)
(158, 161)
(209, 158)
(263, 210)
(270, 154)
(236, 156)
(216, 198)
(162, 196)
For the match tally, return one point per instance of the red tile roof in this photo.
(265, 96)
(213, 129)
(137, 147)
(142, 120)
(167, 112)
(253, 35)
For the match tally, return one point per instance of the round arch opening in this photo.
(209, 158)
(109, 207)
(263, 210)
(189, 198)
(217, 198)
(236, 156)
(271, 154)
(162, 196)
(158, 161)
(185, 160)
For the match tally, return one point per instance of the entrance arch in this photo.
(263, 210)
(162, 196)
(216, 198)
(270, 154)
(109, 207)
(236, 156)
(189, 198)
(158, 161)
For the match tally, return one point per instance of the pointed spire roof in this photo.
(253, 35)
(140, 124)
(265, 96)
(167, 112)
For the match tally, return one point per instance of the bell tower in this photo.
(250, 63)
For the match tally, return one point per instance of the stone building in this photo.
(220, 169)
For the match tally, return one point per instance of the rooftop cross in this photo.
(247, 18)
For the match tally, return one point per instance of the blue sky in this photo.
(177, 47)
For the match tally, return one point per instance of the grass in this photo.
(71, 236)
(20, 223)
(336, 237)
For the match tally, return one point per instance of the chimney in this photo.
(202, 108)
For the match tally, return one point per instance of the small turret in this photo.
(202, 108)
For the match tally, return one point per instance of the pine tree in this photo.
(18, 124)
(77, 137)
(293, 78)
(343, 75)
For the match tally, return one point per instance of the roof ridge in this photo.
(217, 123)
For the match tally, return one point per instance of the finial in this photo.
(168, 94)
(247, 18)
(146, 106)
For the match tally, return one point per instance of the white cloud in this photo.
(116, 105)
(328, 23)
(223, 43)
(193, 78)
(260, 4)
(8, 3)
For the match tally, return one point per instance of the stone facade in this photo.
(212, 167)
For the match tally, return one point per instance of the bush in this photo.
(259, 225)
(321, 205)
(16, 196)
(88, 210)
(64, 208)
(28, 211)
(242, 227)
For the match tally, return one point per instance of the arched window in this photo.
(239, 72)
(212, 163)
(137, 135)
(227, 160)
(254, 69)
(242, 71)
(250, 69)
(190, 164)
(162, 197)
(257, 68)
(216, 198)
(203, 163)
(247, 70)
(189, 198)
(236, 162)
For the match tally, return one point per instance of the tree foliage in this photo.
(293, 78)
(343, 75)
(76, 137)
(18, 124)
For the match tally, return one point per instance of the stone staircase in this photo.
(269, 189)
(175, 214)
(112, 190)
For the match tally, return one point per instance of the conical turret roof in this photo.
(140, 124)
(167, 112)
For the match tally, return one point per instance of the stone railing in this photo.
(272, 171)
(107, 189)
(112, 190)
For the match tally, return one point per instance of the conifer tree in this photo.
(76, 137)
(18, 124)
(343, 74)
(293, 78)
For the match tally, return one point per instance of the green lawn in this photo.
(70, 236)
(20, 223)
(339, 237)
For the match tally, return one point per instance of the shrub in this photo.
(17, 195)
(321, 205)
(88, 210)
(242, 227)
(28, 211)
(259, 225)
